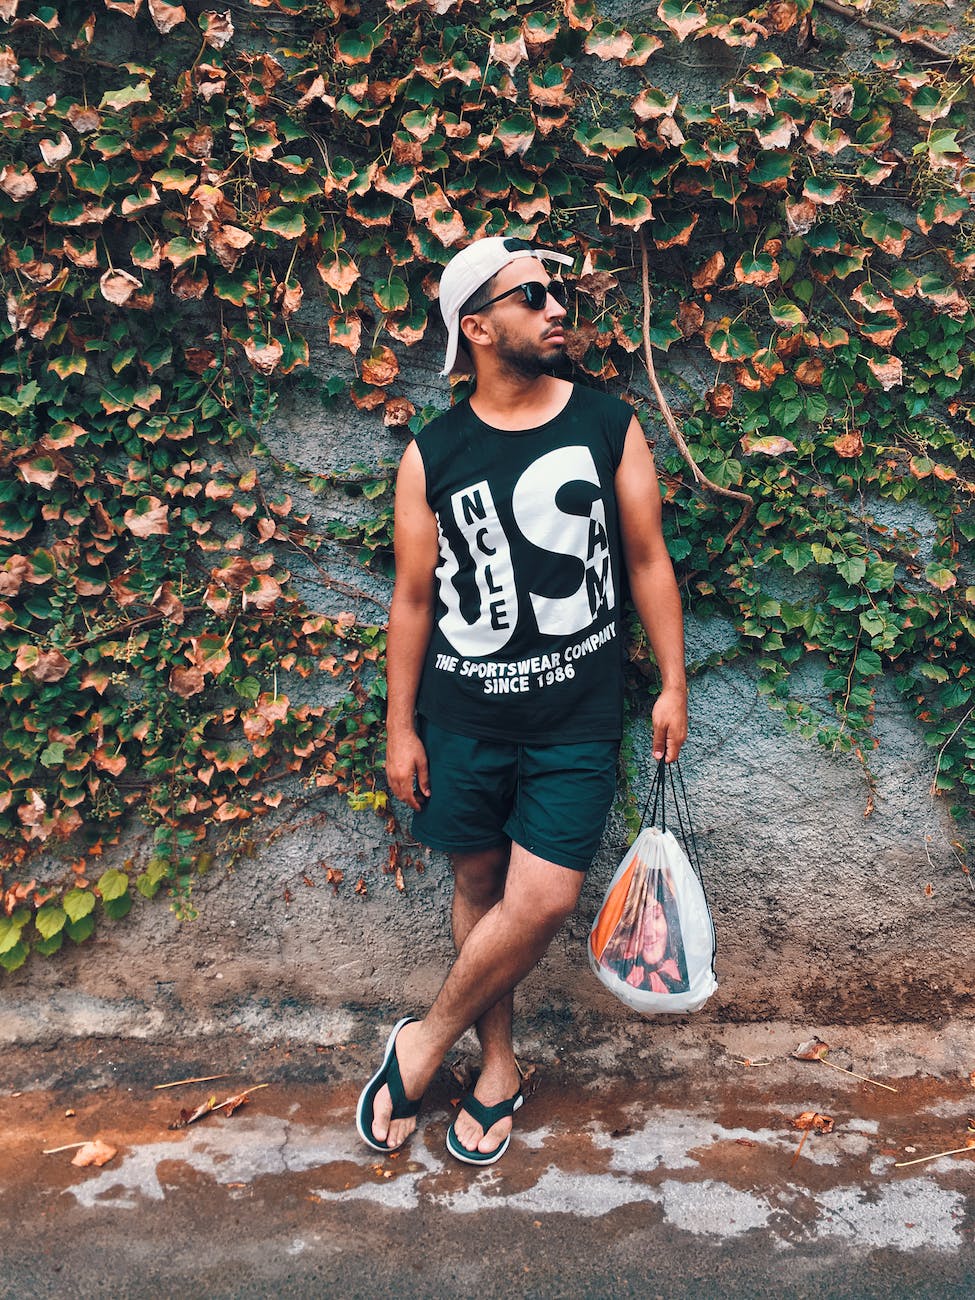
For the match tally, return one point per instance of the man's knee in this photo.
(540, 894)
(479, 877)
(551, 912)
(541, 912)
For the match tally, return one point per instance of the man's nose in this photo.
(553, 308)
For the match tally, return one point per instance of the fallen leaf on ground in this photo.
(810, 1121)
(462, 1072)
(815, 1050)
(208, 1107)
(191, 1116)
(96, 1152)
(530, 1078)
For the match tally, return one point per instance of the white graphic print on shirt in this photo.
(544, 525)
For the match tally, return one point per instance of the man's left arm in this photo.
(653, 587)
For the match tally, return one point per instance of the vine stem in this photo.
(941, 751)
(128, 627)
(673, 428)
(336, 584)
(836, 7)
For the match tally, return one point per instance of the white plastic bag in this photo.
(652, 943)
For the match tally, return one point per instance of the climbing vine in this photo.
(772, 210)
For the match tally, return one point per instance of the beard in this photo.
(529, 362)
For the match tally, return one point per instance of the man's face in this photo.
(528, 343)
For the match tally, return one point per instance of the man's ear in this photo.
(474, 331)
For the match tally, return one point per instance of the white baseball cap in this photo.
(473, 266)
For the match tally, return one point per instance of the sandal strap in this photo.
(488, 1116)
(403, 1107)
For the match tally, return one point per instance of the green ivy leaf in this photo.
(13, 958)
(82, 929)
(797, 555)
(392, 294)
(10, 929)
(787, 314)
(286, 222)
(682, 16)
(112, 884)
(116, 908)
(127, 97)
(940, 576)
(93, 178)
(868, 663)
(78, 903)
(852, 569)
(358, 46)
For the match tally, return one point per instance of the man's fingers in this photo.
(659, 741)
(410, 779)
(423, 775)
(402, 787)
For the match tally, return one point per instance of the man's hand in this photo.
(669, 724)
(407, 769)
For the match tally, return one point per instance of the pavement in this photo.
(653, 1160)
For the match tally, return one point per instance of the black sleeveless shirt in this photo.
(526, 641)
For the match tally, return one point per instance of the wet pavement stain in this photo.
(706, 1172)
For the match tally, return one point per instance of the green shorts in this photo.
(551, 799)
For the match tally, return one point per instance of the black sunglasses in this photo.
(535, 293)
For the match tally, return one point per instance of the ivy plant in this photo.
(792, 247)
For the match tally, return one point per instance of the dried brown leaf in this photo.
(228, 243)
(185, 682)
(889, 371)
(217, 28)
(152, 522)
(597, 285)
(690, 318)
(96, 1153)
(381, 368)
(814, 1049)
(84, 119)
(508, 53)
(166, 16)
(18, 182)
(813, 1120)
(719, 400)
(118, 286)
(710, 272)
(849, 445)
(264, 357)
(42, 665)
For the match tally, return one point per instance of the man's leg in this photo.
(500, 950)
(478, 885)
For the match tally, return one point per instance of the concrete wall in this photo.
(823, 914)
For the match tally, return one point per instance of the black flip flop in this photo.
(389, 1075)
(487, 1117)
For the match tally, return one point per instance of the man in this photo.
(520, 514)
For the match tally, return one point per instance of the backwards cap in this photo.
(473, 266)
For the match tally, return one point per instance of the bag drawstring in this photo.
(681, 803)
(682, 809)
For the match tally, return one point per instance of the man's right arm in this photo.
(410, 625)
